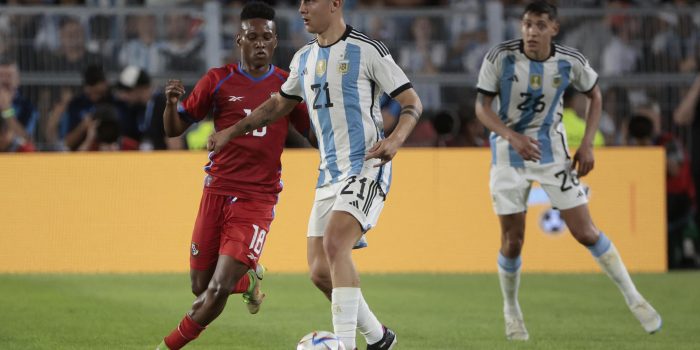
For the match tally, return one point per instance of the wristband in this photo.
(8, 113)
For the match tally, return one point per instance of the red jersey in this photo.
(249, 166)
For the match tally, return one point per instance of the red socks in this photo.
(242, 285)
(187, 331)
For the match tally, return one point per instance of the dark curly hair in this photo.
(257, 9)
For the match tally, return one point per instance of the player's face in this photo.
(72, 36)
(258, 40)
(96, 92)
(9, 77)
(316, 14)
(538, 31)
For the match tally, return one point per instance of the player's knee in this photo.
(586, 235)
(218, 290)
(512, 244)
(332, 248)
(321, 280)
(198, 288)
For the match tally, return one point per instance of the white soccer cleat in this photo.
(647, 316)
(515, 327)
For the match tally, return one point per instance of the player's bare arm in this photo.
(583, 159)
(75, 136)
(172, 123)
(271, 110)
(527, 147)
(411, 109)
(685, 112)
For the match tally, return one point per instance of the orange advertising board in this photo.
(134, 212)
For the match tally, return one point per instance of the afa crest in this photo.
(320, 67)
(556, 80)
(536, 81)
(343, 66)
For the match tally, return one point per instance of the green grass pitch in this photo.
(428, 311)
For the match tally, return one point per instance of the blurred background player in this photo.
(19, 113)
(10, 141)
(529, 76)
(76, 119)
(144, 111)
(243, 180)
(342, 74)
(104, 132)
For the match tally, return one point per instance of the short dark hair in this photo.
(257, 9)
(640, 127)
(68, 20)
(108, 127)
(541, 7)
(93, 75)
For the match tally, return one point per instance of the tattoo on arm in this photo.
(410, 110)
(265, 109)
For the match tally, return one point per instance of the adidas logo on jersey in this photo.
(513, 78)
(235, 98)
(355, 204)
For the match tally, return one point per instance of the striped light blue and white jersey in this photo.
(530, 97)
(342, 84)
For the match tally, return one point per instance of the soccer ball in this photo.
(551, 222)
(320, 340)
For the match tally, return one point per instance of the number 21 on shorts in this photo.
(258, 241)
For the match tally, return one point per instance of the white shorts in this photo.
(358, 195)
(510, 187)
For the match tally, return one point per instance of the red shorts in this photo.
(229, 226)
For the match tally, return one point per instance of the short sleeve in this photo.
(386, 73)
(489, 73)
(585, 78)
(292, 88)
(198, 104)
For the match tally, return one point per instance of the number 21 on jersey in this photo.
(257, 132)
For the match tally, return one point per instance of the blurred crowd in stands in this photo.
(121, 61)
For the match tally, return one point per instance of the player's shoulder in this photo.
(570, 53)
(219, 73)
(504, 48)
(356, 37)
(280, 72)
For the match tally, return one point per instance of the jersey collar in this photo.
(552, 52)
(263, 77)
(345, 35)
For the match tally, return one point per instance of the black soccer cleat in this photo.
(387, 342)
